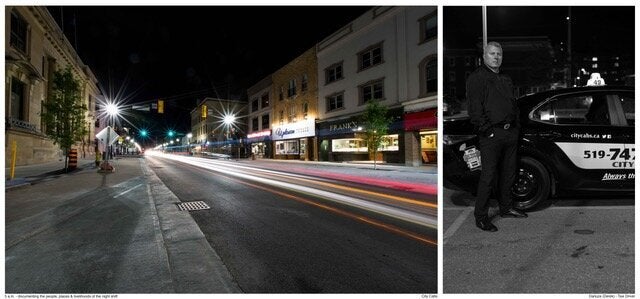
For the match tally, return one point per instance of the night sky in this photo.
(184, 53)
(598, 30)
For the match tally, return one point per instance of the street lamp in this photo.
(229, 120)
(112, 111)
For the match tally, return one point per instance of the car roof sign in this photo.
(595, 80)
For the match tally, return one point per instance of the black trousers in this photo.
(499, 160)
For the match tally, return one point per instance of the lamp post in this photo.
(112, 112)
(228, 121)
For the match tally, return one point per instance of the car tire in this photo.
(532, 185)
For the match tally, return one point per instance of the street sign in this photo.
(141, 107)
(107, 136)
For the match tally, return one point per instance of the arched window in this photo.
(429, 75)
(431, 70)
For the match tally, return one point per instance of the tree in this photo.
(376, 123)
(64, 112)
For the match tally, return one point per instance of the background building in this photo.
(388, 54)
(295, 108)
(35, 48)
(259, 120)
(211, 133)
(530, 61)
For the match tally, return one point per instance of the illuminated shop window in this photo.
(287, 147)
(358, 145)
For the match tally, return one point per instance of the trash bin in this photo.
(73, 159)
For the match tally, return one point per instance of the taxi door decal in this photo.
(600, 155)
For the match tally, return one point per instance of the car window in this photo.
(628, 106)
(577, 109)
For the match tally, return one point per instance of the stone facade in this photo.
(388, 54)
(35, 48)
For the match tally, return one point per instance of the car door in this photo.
(585, 139)
(625, 109)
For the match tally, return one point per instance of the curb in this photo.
(16, 186)
(194, 265)
(28, 181)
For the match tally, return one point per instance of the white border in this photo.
(440, 4)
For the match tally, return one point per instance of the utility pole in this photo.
(484, 27)
(569, 61)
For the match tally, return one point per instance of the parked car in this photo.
(573, 141)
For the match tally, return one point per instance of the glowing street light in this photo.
(112, 109)
(229, 119)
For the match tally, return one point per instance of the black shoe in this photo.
(485, 224)
(513, 213)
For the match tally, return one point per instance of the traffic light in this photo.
(143, 133)
(170, 133)
(160, 106)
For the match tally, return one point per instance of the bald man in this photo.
(494, 113)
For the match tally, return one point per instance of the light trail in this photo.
(267, 177)
(315, 181)
(367, 220)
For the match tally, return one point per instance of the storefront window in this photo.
(428, 146)
(258, 149)
(349, 145)
(389, 143)
(288, 147)
(303, 146)
(428, 141)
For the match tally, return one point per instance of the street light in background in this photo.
(228, 121)
(112, 112)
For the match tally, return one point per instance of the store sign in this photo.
(345, 126)
(262, 133)
(295, 130)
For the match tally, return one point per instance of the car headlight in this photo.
(454, 139)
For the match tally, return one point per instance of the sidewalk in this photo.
(90, 232)
(25, 175)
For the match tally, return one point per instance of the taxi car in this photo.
(573, 141)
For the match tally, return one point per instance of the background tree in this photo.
(64, 112)
(376, 123)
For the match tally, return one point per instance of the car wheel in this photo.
(532, 184)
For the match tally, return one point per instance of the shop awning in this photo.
(427, 119)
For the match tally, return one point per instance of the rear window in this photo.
(585, 109)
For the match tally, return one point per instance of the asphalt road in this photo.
(579, 245)
(279, 232)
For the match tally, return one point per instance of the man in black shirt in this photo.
(494, 113)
